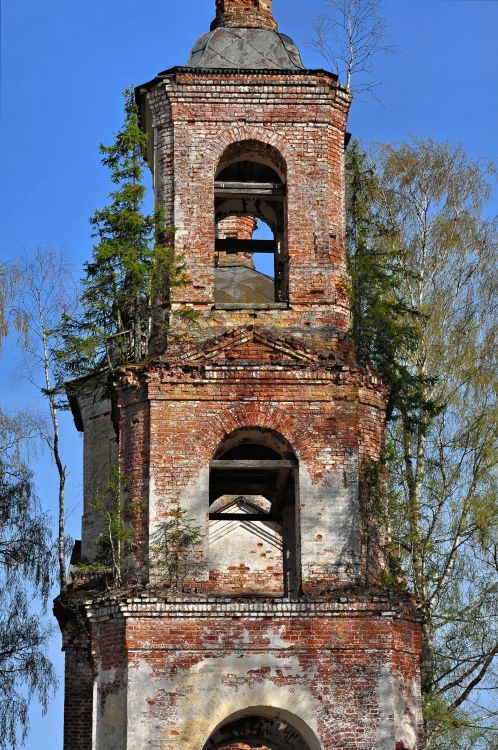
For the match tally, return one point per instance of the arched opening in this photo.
(262, 728)
(253, 515)
(243, 277)
(251, 219)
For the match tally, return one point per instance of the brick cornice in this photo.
(341, 605)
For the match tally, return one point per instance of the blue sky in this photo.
(63, 68)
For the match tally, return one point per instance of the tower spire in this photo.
(246, 14)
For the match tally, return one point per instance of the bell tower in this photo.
(257, 609)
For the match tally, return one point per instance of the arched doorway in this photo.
(262, 729)
(253, 515)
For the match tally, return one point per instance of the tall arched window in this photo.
(253, 515)
(251, 222)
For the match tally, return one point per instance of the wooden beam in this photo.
(245, 246)
(280, 484)
(252, 465)
(244, 517)
(251, 306)
(248, 188)
(239, 487)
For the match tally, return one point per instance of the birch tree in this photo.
(443, 432)
(444, 483)
(45, 294)
(350, 35)
(26, 564)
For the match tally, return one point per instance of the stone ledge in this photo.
(147, 606)
(251, 306)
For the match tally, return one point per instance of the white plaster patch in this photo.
(384, 736)
(110, 719)
(222, 686)
(406, 711)
(329, 524)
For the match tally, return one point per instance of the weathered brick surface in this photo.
(278, 638)
(244, 13)
(333, 421)
(345, 670)
(197, 117)
(79, 675)
(240, 228)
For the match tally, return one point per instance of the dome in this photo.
(243, 285)
(246, 49)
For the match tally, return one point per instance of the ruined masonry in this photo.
(273, 624)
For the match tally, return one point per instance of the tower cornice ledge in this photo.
(143, 602)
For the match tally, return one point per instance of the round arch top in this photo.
(267, 439)
(253, 151)
(275, 728)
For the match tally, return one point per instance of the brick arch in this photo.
(253, 414)
(226, 138)
(263, 727)
(254, 149)
(264, 436)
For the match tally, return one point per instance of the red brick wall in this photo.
(355, 661)
(78, 699)
(355, 658)
(344, 657)
(244, 13)
(79, 673)
(303, 117)
(240, 228)
(333, 421)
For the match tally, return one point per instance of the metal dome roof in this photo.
(245, 48)
(243, 285)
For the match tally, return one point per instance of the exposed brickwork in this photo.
(332, 418)
(239, 228)
(244, 14)
(79, 674)
(344, 655)
(78, 699)
(212, 112)
(259, 424)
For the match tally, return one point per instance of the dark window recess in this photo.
(256, 468)
(251, 218)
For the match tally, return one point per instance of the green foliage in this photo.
(373, 511)
(385, 325)
(125, 299)
(94, 569)
(27, 558)
(116, 542)
(442, 467)
(171, 547)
